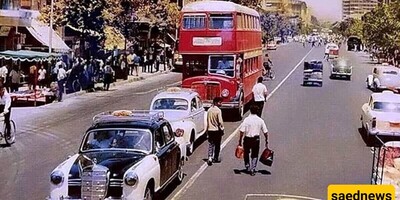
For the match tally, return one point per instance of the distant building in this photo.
(357, 8)
(20, 28)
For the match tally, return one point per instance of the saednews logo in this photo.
(361, 192)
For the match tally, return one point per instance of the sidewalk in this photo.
(119, 82)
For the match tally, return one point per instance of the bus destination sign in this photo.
(207, 41)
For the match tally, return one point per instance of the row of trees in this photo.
(378, 29)
(109, 21)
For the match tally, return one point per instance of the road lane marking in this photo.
(204, 166)
(157, 89)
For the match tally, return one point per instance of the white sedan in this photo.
(384, 77)
(381, 115)
(184, 110)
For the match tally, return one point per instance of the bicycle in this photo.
(11, 138)
(270, 73)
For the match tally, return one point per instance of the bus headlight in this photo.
(225, 93)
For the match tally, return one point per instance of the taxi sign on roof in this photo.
(174, 89)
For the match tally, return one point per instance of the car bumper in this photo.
(341, 74)
(385, 133)
(388, 87)
(225, 105)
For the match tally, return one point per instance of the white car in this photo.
(184, 109)
(381, 115)
(123, 155)
(384, 77)
(333, 50)
(272, 45)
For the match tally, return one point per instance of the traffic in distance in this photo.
(173, 148)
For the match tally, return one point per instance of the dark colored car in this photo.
(123, 155)
(313, 73)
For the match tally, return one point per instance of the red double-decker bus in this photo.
(221, 47)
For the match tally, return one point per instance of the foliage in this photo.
(274, 25)
(58, 13)
(113, 38)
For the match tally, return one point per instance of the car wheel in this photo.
(349, 78)
(190, 147)
(148, 194)
(179, 177)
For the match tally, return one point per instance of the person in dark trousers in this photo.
(250, 129)
(215, 131)
(260, 93)
(108, 76)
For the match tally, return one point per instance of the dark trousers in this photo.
(260, 105)
(251, 145)
(214, 141)
(60, 84)
(14, 87)
(6, 119)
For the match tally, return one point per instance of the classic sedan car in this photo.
(183, 108)
(123, 155)
(341, 68)
(272, 45)
(313, 72)
(333, 50)
(384, 77)
(381, 115)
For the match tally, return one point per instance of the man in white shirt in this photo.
(3, 73)
(251, 128)
(5, 107)
(260, 93)
(61, 77)
(42, 77)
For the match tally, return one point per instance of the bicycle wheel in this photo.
(11, 138)
(272, 74)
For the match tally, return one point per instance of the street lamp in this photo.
(164, 25)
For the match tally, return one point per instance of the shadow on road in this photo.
(4, 145)
(372, 141)
(244, 171)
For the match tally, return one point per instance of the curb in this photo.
(118, 83)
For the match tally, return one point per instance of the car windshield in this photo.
(110, 139)
(387, 107)
(391, 72)
(170, 104)
(222, 65)
(341, 63)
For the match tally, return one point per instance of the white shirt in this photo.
(253, 125)
(3, 71)
(6, 101)
(259, 90)
(61, 74)
(42, 74)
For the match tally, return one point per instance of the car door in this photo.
(194, 113)
(162, 154)
(367, 112)
(200, 116)
(172, 150)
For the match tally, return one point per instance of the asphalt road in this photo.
(314, 132)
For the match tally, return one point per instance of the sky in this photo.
(326, 9)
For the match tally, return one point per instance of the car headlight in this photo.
(225, 93)
(179, 132)
(57, 177)
(131, 178)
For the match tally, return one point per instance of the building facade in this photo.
(357, 8)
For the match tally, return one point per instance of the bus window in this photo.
(239, 19)
(221, 21)
(223, 65)
(194, 22)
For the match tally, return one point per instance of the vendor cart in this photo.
(386, 164)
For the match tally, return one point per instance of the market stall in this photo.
(34, 96)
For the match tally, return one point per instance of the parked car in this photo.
(341, 68)
(313, 72)
(333, 50)
(123, 155)
(272, 45)
(183, 108)
(381, 115)
(384, 77)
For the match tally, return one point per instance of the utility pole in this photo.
(51, 27)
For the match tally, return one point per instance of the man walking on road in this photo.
(61, 77)
(260, 95)
(251, 128)
(215, 130)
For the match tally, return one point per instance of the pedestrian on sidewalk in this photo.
(215, 131)
(136, 62)
(61, 78)
(15, 79)
(42, 77)
(32, 77)
(129, 59)
(108, 76)
(251, 128)
(260, 93)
